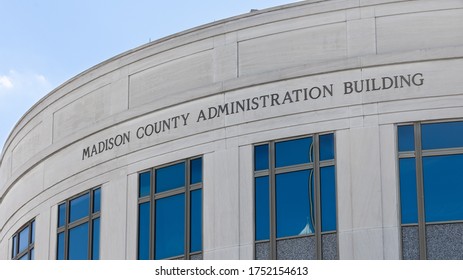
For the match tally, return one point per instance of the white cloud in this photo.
(25, 84)
(41, 79)
(5, 82)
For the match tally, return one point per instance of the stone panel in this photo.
(29, 145)
(162, 81)
(301, 248)
(330, 246)
(419, 31)
(246, 193)
(5, 171)
(361, 35)
(444, 242)
(86, 111)
(263, 251)
(30, 185)
(294, 48)
(410, 243)
(197, 257)
(114, 219)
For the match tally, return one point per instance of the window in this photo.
(295, 198)
(431, 189)
(79, 227)
(170, 211)
(23, 242)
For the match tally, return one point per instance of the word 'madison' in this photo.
(106, 145)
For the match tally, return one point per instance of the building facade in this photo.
(314, 130)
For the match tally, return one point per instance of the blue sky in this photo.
(43, 43)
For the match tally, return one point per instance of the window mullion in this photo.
(272, 204)
(187, 210)
(90, 226)
(152, 220)
(66, 233)
(317, 222)
(420, 192)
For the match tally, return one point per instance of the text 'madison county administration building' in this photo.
(314, 130)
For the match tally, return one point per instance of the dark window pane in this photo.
(31, 256)
(170, 177)
(442, 135)
(79, 207)
(96, 200)
(408, 197)
(78, 242)
(24, 258)
(326, 146)
(295, 203)
(144, 231)
(328, 198)
(406, 138)
(196, 221)
(15, 246)
(24, 239)
(61, 214)
(443, 188)
(262, 208)
(196, 171)
(60, 249)
(293, 152)
(32, 232)
(96, 239)
(170, 226)
(144, 184)
(261, 157)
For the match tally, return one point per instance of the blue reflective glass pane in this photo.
(170, 226)
(24, 258)
(78, 242)
(60, 247)
(196, 221)
(295, 203)
(261, 157)
(326, 146)
(144, 181)
(293, 152)
(196, 171)
(406, 138)
(23, 239)
(79, 207)
(61, 214)
(15, 246)
(170, 177)
(31, 257)
(442, 135)
(262, 212)
(144, 231)
(96, 200)
(32, 232)
(96, 239)
(443, 188)
(328, 198)
(408, 196)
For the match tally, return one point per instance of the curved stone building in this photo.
(314, 130)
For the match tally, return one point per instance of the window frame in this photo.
(272, 171)
(152, 197)
(90, 218)
(30, 244)
(418, 154)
